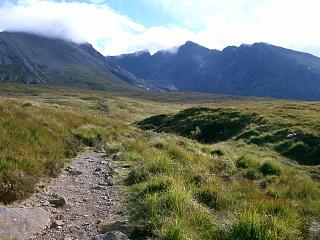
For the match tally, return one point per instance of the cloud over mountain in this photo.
(212, 23)
(94, 22)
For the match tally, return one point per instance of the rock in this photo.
(41, 185)
(103, 184)
(56, 224)
(114, 235)
(58, 201)
(291, 135)
(22, 223)
(30, 104)
(125, 166)
(59, 217)
(226, 177)
(109, 181)
(69, 168)
(100, 150)
(98, 169)
(75, 172)
(117, 226)
(314, 230)
(117, 156)
(98, 187)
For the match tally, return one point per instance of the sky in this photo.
(123, 26)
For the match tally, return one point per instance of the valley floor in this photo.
(235, 168)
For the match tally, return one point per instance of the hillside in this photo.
(245, 176)
(249, 70)
(33, 59)
(230, 169)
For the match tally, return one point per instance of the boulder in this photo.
(116, 226)
(114, 235)
(22, 223)
(57, 201)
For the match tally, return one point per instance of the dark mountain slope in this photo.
(269, 71)
(259, 69)
(33, 59)
(184, 70)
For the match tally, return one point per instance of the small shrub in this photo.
(270, 168)
(223, 166)
(91, 136)
(252, 174)
(208, 197)
(173, 233)
(179, 153)
(217, 152)
(137, 176)
(251, 226)
(102, 106)
(53, 167)
(160, 144)
(113, 148)
(274, 208)
(158, 185)
(14, 186)
(160, 165)
(196, 133)
(244, 162)
(176, 201)
(196, 179)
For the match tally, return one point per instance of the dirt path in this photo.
(89, 196)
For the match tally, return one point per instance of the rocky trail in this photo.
(70, 206)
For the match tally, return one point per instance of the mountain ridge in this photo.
(34, 59)
(258, 69)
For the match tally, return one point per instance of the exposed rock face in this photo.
(22, 223)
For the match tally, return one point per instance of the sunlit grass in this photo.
(245, 184)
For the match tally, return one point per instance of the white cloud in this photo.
(94, 22)
(212, 23)
(288, 23)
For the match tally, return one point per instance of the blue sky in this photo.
(121, 26)
(142, 12)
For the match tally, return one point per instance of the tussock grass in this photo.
(237, 176)
(36, 140)
(197, 195)
(285, 135)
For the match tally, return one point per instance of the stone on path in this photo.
(114, 235)
(22, 223)
(57, 201)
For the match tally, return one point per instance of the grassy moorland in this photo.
(41, 128)
(252, 172)
(234, 168)
(36, 140)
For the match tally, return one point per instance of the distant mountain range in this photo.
(33, 59)
(249, 70)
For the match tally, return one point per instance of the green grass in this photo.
(298, 142)
(245, 169)
(204, 196)
(36, 140)
(226, 170)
